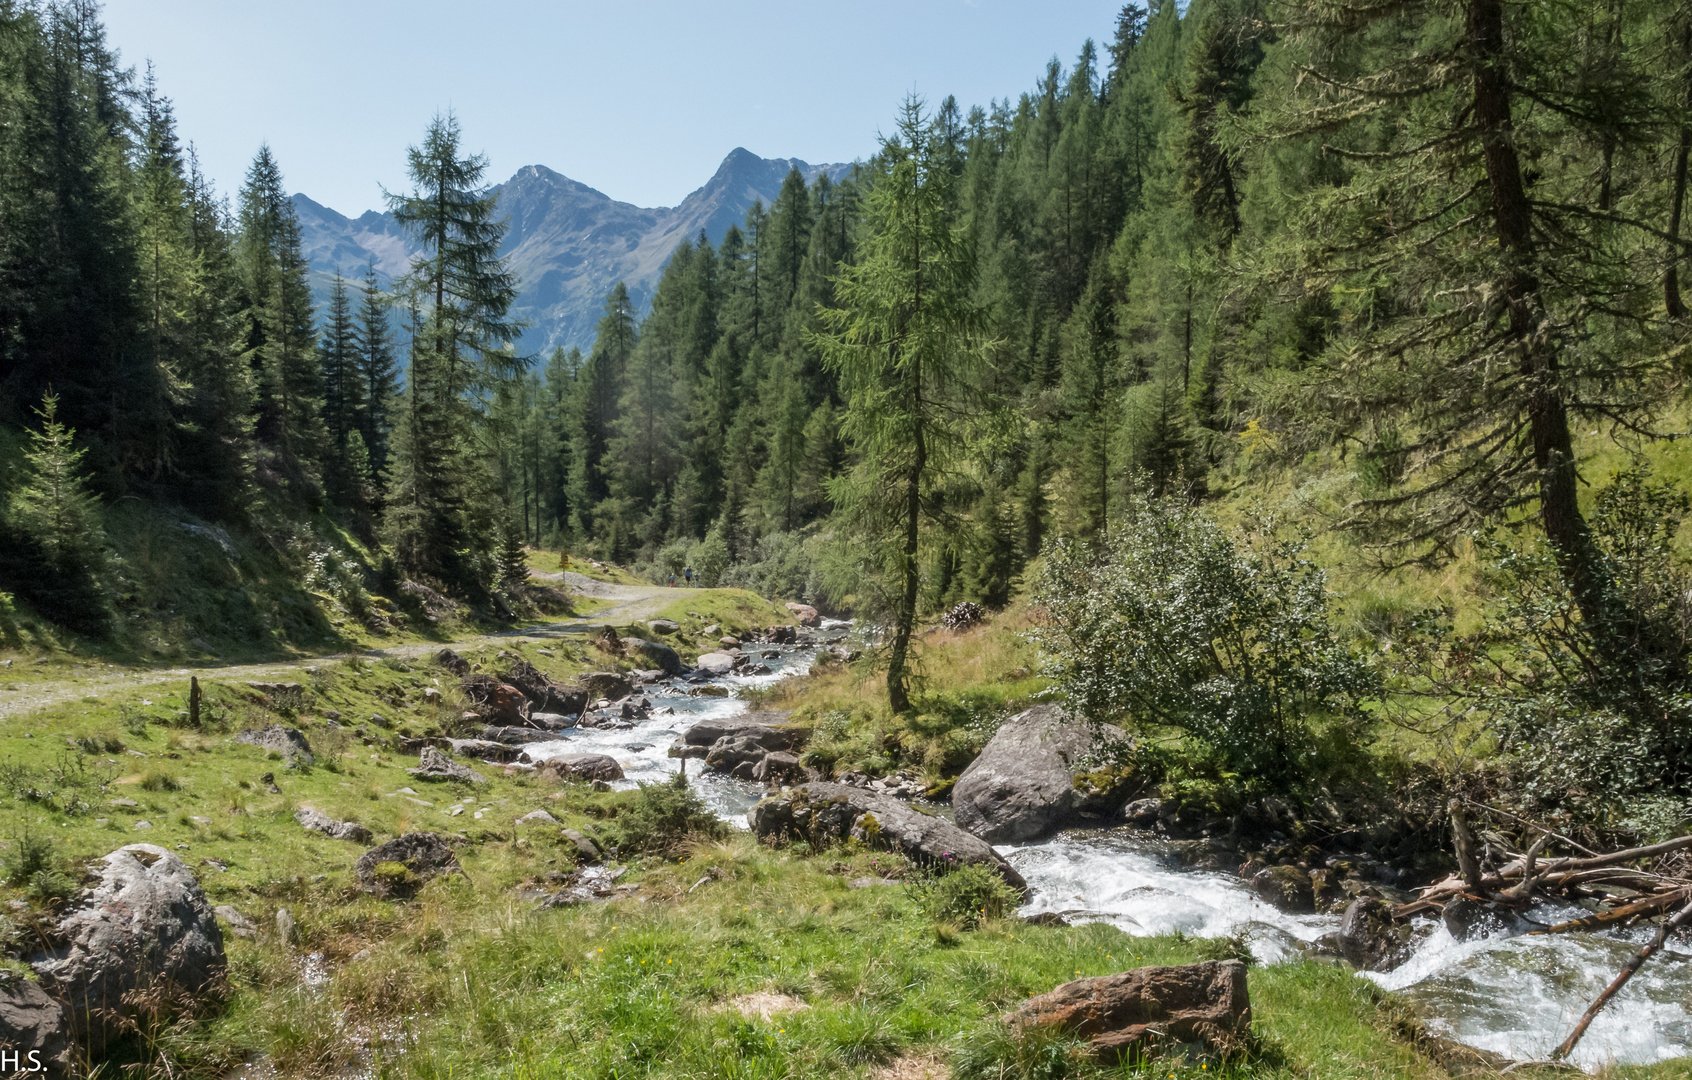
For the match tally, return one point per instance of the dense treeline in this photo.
(1423, 248)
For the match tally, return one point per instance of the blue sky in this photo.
(640, 100)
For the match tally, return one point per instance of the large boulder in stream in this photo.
(1117, 1014)
(1024, 785)
(768, 727)
(1370, 939)
(824, 813)
(144, 926)
(654, 653)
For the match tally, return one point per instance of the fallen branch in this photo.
(1680, 919)
(1604, 918)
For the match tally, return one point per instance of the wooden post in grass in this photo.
(193, 701)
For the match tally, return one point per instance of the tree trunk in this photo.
(1548, 421)
(898, 678)
(1677, 199)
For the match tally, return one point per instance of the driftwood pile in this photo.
(1630, 887)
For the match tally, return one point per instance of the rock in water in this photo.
(146, 925)
(405, 864)
(1206, 1003)
(435, 765)
(1369, 938)
(1022, 786)
(606, 684)
(1285, 887)
(276, 739)
(825, 813)
(581, 767)
(660, 656)
(717, 663)
(804, 614)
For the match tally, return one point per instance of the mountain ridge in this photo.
(568, 243)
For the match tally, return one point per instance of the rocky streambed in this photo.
(1498, 990)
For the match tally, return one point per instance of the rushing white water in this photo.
(643, 750)
(1516, 996)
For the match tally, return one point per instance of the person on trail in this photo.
(672, 581)
(688, 574)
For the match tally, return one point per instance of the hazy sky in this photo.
(640, 100)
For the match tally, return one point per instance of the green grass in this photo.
(735, 610)
(471, 980)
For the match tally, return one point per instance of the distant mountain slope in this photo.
(568, 243)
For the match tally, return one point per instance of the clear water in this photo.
(643, 751)
(1517, 996)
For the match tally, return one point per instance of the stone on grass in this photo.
(827, 813)
(239, 924)
(403, 865)
(537, 817)
(145, 925)
(276, 739)
(586, 849)
(664, 626)
(1194, 1003)
(317, 821)
(435, 765)
(32, 1023)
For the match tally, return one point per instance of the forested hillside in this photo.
(1412, 258)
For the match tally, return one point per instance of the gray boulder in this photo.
(239, 924)
(1023, 785)
(581, 767)
(515, 736)
(33, 1024)
(1370, 939)
(548, 721)
(659, 655)
(435, 765)
(145, 925)
(707, 732)
(717, 663)
(276, 739)
(537, 817)
(825, 813)
(586, 850)
(739, 754)
(663, 626)
(497, 752)
(453, 662)
(606, 684)
(317, 821)
(780, 767)
(423, 856)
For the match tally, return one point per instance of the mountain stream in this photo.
(1515, 996)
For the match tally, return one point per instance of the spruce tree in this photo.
(376, 371)
(58, 544)
(461, 352)
(281, 337)
(343, 389)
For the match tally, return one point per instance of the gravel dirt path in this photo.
(629, 604)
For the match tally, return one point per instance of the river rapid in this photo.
(1516, 996)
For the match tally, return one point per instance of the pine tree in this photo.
(905, 344)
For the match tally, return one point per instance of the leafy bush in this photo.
(1585, 708)
(965, 895)
(663, 817)
(1221, 634)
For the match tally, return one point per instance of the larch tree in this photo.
(906, 344)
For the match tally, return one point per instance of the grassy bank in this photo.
(725, 958)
